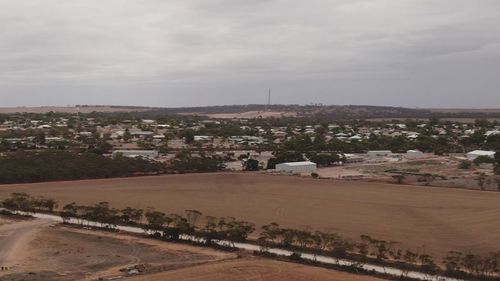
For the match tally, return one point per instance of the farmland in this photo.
(439, 218)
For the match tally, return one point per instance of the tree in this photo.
(270, 232)
(465, 165)
(452, 262)
(127, 135)
(155, 221)
(131, 216)
(69, 211)
(251, 165)
(19, 201)
(399, 178)
(192, 216)
(497, 166)
(188, 136)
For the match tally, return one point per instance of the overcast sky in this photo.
(414, 53)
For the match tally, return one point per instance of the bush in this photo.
(295, 256)
(484, 159)
(465, 165)
(251, 165)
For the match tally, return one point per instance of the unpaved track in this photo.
(14, 236)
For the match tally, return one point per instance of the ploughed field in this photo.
(441, 219)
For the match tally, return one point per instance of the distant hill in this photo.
(72, 109)
(327, 112)
(332, 112)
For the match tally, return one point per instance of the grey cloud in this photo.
(195, 52)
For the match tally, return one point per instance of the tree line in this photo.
(208, 229)
(49, 165)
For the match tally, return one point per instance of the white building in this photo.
(137, 153)
(414, 154)
(476, 153)
(296, 167)
(203, 138)
(378, 153)
(353, 158)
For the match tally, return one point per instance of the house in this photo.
(136, 153)
(85, 134)
(296, 167)
(203, 138)
(53, 139)
(159, 137)
(476, 153)
(353, 158)
(378, 153)
(141, 134)
(414, 154)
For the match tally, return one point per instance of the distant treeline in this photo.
(324, 112)
(57, 165)
(30, 166)
(307, 112)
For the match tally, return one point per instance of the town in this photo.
(417, 151)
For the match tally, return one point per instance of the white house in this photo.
(476, 153)
(378, 153)
(136, 153)
(414, 154)
(353, 158)
(296, 167)
(203, 138)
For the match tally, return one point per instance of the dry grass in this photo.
(441, 219)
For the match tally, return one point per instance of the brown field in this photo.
(254, 269)
(67, 109)
(61, 253)
(442, 219)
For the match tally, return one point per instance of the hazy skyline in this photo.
(413, 53)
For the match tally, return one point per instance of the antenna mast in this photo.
(268, 100)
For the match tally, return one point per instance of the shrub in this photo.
(465, 165)
(484, 159)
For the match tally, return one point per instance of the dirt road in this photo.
(14, 236)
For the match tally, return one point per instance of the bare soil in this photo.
(254, 269)
(66, 253)
(248, 114)
(62, 253)
(442, 219)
